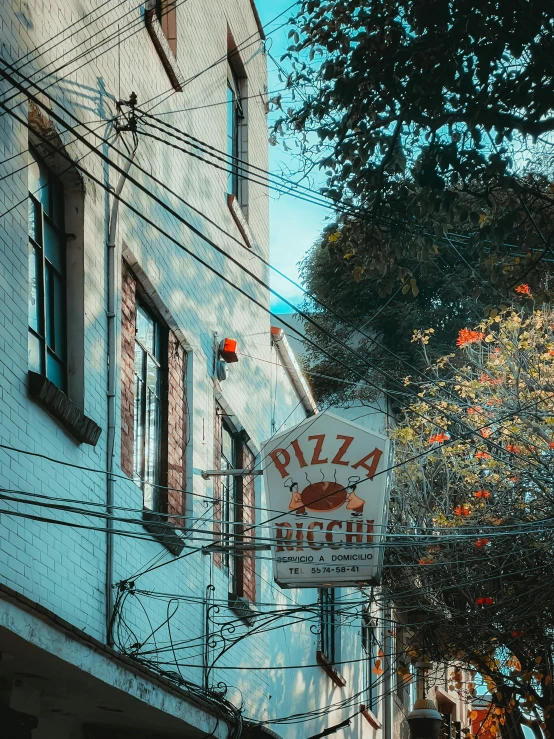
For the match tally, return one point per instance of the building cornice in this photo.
(293, 370)
(257, 18)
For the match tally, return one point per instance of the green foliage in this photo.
(432, 89)
(427, 114)
(389, 281)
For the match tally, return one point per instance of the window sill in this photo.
(167, 57)
(370, 716)
(64, 410)
(243, 608)
(330, 669)
(240, 220)
(163, 531)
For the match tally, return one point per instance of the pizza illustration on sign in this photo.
(325, 497)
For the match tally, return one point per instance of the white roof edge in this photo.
(294, 371)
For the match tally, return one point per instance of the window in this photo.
(150, 381)
(235, 118)
(47, 277)
(370, 650)
(330, 626)
(235, 513)
(405, 670)
(154, 410)
(166, 13)
(229, 511)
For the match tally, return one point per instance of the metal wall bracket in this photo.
(229, 473)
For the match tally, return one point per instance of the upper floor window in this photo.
(370, 651)
(329, 626)
(166, 13)
(150, 380)
(229, 507)
(405, 671)
(47, 274)
(235, 509)
(154, 409)
(235, 121)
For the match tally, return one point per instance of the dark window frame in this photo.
(235, 118)
(328, 654)
(50, 331)
(404, 684)
(232, 521)
(370, 646)
(329, 625)
(229, 503)
(158, 357)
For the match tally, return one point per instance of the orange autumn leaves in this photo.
(481, 436)
(482, 455)
(469, 336)
(482, 494)
(438, 438)
(524, 289)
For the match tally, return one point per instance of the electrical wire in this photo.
(255, 277)
(490, 443)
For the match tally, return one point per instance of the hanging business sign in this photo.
(329, 478)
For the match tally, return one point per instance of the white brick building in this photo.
(111, 407)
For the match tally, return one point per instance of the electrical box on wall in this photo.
(226, 354)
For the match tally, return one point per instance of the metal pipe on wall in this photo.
(111, 386)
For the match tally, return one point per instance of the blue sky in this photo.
(295, 224)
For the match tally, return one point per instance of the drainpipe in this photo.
(111, 358)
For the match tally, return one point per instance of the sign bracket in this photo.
(206, 474)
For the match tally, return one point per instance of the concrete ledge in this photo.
(163, 531)
(370, 717)
(64, 410)
(330, 669)
(243, 608)
(164, 51)
(240, 220)
(50, 645)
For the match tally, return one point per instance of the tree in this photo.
(437, 88)
(474, 483)
(429, 118)
(388, 283)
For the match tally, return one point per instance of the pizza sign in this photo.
(327, 486)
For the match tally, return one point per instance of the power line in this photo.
(333, 312)
(255, 277)
(306, 316)
(138, 213)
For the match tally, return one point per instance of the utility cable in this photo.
(259, 280)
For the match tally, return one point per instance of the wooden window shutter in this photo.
(128, 321)
(246, 564)
(176, 429)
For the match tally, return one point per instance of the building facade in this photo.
(138, 365)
